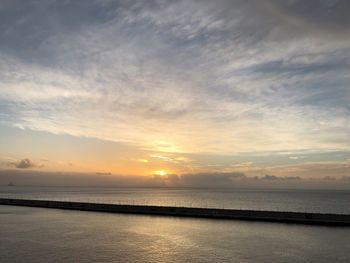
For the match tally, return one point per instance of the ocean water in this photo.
(320, 201)
(52, 235)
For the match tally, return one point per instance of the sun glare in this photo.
(161, 173)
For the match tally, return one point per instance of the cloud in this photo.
(326, 17)
(270, 177)
(103, 173)
(329, 178)
(274, 177)
(24, 164)
(24, 177)
(205, 70)
(211, 179)
(292, 178)
(172, 159)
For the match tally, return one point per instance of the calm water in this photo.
(324, 201)
(50, 235)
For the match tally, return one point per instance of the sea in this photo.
(52, 235)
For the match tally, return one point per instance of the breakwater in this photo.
(213, 213)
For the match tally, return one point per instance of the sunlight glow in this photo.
(160, 172)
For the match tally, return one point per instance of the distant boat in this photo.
(10, 184)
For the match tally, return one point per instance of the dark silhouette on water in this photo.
(214, 213)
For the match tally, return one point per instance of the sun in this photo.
(160, 172)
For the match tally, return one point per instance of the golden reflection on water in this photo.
(165, 235)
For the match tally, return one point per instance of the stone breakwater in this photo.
(212, 213)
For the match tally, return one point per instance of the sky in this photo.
(180, 93)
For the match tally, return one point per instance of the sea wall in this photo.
(255, 215)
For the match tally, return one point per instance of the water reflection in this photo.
(48, 235)
(287, 200)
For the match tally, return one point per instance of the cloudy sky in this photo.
(176, 87)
